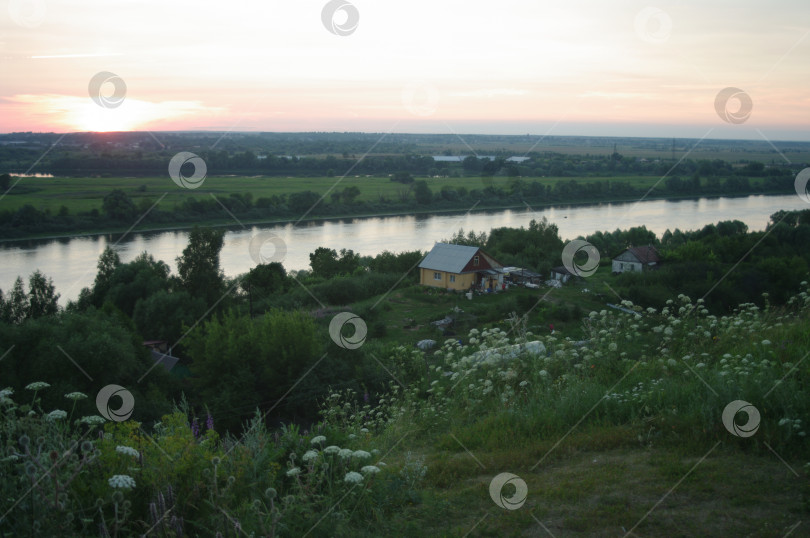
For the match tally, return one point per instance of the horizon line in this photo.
(257, 132)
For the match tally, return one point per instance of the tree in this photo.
(402, 177)
(268, 277)
(129, 282)
(422, 192)
(198, 266)
(107, 263)
(471, 239)
(301, 202)
(5, 181)
(42, 301)
(402, 263)
(162, 315)
(15, 308)
(119, 206)
(349, 194)
(241, 363)
(107, 351)
(324, 262)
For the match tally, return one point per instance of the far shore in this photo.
(477, 208)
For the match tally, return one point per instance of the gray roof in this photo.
(448, 258)
(168, 361)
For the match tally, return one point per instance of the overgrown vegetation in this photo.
(376, 463)
(279, 431)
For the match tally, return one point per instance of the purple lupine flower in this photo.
(365, 397)
(195, 428)
(209, 422)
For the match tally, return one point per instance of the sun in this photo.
(92, 117)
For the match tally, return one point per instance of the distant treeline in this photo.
(112, 162)
(120, 210)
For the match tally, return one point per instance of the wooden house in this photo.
(459, 267)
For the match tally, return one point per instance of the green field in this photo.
(87, 193)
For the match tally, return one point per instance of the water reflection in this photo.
(71, 262)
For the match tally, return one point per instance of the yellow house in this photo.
(459, 267)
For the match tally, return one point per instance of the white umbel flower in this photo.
(361, 454)
(353, 477)
(56, 414)
(127, 450)
(295, 471)
(121, 481)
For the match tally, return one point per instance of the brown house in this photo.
(459, 267)
(636, 259)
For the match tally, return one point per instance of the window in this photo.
(452, 278)
(437, 276)
(475, 260)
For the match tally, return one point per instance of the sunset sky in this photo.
(622, 68)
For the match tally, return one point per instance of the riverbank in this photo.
(228, 222)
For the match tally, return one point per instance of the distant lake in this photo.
(71, 262)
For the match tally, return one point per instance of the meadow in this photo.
(83, 194)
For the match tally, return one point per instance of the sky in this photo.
(619, 68)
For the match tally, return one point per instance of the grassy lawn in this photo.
(87, 193)
(408, 312)
(597, 484)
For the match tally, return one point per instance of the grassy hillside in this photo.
(617, 430)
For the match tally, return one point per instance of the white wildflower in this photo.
(353, 477)
(295, 471)
(56, 414)
(37, 385)
(75, 396)
(127, 450)
(121, 481)
(361, 454)
(317, 440)
(309, 455)
(370, 469)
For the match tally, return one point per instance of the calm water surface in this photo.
(71, 262)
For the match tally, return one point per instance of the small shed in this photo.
(161, 353)
(165, 359)
(519, 275)
(636, 259)
(561, 273)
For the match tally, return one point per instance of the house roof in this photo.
(562, 270)
(513, 271)
(168, 361)
(646, 254)
(448, 258)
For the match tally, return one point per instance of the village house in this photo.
(636, 259)
(459, 267)
(561, 274)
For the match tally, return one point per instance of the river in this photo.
(71, 262)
